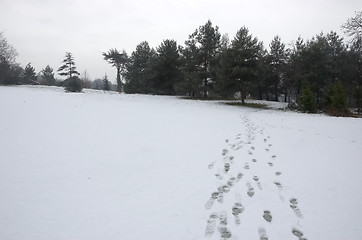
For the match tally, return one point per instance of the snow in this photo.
(102, 165)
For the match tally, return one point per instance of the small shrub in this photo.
(73, 84)
(307, 101)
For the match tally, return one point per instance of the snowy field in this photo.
(95, 165)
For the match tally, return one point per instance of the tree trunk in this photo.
(205, 88)
(119, 83)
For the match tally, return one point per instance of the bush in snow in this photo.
(73, 84)
(307, 101)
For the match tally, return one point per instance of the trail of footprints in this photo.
(219, 220)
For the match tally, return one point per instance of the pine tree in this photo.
(278, 59)
(29, 75)
(47, 77)
(201, 52)
(68, 68)
(166, 68)
(245, 53)
(106, 85)
(139, 73)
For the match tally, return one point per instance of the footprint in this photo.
(227, 167)
(246, 166)
(267, 149)
(254, 160)
(224, 152)
(239, 176)
(278, 173)
(211, 165)
(262, 234)
(278, 184)
(218, 176)
(274, 156)
(251, 191)
(250, 152)
(256, 178)
(294, 205)
(267, 216)
(236, 210)
(297, 233)
(270, 164)
(227, 140)
(270, 144)
(211, 225)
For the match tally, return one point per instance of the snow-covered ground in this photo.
(111, 166)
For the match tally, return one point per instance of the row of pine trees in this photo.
(322, 73)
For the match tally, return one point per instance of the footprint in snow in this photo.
(211, 165)
(262, 234)
(278, 184)
(211, 225)
(294, 205)
(270, 164)
(236, 210)
(227, 167)
(224, 152)
(239, 176)
(278, 173)
(246, 166)
(298, 234)
(251, 191)
(254, 160)
(267, 216)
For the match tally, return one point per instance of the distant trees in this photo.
(72, 83)
(47, 76)
(119, 61)
(201, 59)
(68, 68)
(29, 75)
(139, 71)
(10, 71)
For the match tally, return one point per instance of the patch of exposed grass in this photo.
(251, 105)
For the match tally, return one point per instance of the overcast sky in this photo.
(43, 30)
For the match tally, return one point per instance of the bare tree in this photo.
(7, 52)
(353, 28)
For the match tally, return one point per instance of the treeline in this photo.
(319, 74)
(322, 73)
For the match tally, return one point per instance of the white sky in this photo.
(43, 30)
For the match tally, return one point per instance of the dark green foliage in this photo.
(166, 68)
(139, 70)
(240, 63)
(73, 84)
(200, 57)
(307, 101)
(47, 76)
(106, 85)
(118, 60)
(29, 75)
(335, 99)
(68, 68)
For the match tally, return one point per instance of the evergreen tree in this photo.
(166, 68)
(29, 75)
(47, 76)
(307, 101)
(202, 50)
(244, 53)
(277, 60)
(106, 85)
(139, 72)
(68, 68)
(118, 60)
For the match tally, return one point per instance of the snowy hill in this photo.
(111, 166)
